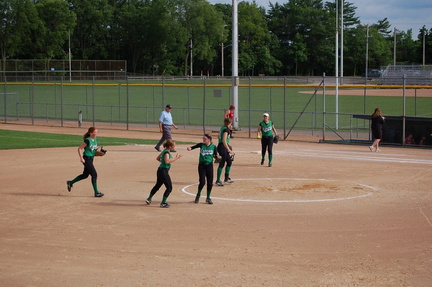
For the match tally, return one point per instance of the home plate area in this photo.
(286, 190)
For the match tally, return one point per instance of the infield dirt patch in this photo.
(322, 215)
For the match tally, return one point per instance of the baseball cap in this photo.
(265, 114)
(168, 106)
(232, 107)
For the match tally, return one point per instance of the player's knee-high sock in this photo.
(270, 158)
(227, 171)
(164, 199)
(208, 193)
(78, 178)
(95, 188)
(199, 192)
(219, 173)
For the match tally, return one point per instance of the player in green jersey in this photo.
(225, 151)
(165, 158)
(86, 152)
(205, 166)
(267, 132)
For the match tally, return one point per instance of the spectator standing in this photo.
(377, 129)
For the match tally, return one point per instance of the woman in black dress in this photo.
(376, 126)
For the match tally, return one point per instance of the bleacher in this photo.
(414, 75)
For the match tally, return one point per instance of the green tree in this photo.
(407, 48)
(201, 30)
(19, 20)
(58, 22)
(255, 42)
(90, 37)
(298, 51)
(311, 20)
(427, 39)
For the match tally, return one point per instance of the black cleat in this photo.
(270, 164)
(262, 162)
(197, 199)
(209, 201)
(69, 185)
(148, 201)
(219, 183)
(158, 149)
(228, 180)
(164, 205)
(99, 194)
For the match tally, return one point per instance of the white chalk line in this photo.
(347, 155)
(184, 190)
(427, 219)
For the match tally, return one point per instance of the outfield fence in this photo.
(315, 106)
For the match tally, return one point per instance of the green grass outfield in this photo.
(22, 140)
(196, 103)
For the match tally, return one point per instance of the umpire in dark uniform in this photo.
(165, 125)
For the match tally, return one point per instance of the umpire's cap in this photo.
(168, 107)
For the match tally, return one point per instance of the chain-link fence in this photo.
(62, 70)
(317, 108)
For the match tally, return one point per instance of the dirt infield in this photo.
(323, 215)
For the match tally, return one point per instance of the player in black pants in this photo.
(267, 132)
(205, 166)
(225, 151)
(163, 177)
(86, 152)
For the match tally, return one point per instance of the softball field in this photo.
(323, 215)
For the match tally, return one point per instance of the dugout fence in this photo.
(295, 107)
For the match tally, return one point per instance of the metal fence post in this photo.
(93, 100)
(324, 106)
(61, 102)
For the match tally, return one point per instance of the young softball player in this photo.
(165, 158)
(267, 132)
(205, 165)
(225, 151)
(86, 153)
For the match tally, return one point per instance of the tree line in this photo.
(180, 37)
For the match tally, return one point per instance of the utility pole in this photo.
(235, 78)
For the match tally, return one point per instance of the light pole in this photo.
(342, 43)
(394, 47)
(337, 64)
(70, 59)
(367, 52)
(424, 45)
(191, 46)
(235, 78)
(222, 56)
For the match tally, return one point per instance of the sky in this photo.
(401, 14)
